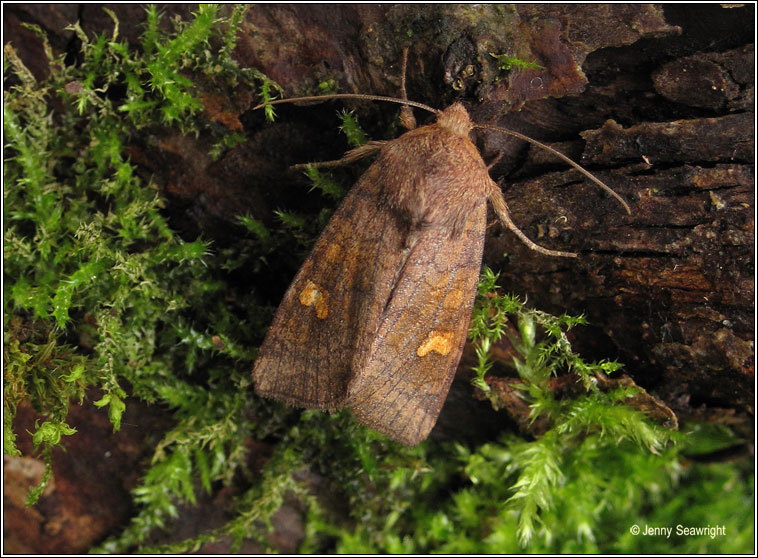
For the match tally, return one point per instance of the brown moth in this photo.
(377, 316)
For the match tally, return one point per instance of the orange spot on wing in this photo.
(312, 295)
(439, 342)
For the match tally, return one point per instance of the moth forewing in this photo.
(403, 376)
(306, 358)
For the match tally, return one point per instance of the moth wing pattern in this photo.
(334, 301)
(403, 375)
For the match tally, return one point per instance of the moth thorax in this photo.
(455, 119)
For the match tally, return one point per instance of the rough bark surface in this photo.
(658, 101)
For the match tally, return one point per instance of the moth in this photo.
(377, 316)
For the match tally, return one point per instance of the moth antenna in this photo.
(350, 96)
(560, 156)
(501, 210)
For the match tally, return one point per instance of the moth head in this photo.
(455, 119)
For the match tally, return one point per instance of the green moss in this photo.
(327, 87)
(324, 183)
(506, 62)
(352, 129)
(90, 256)
(100, 292)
